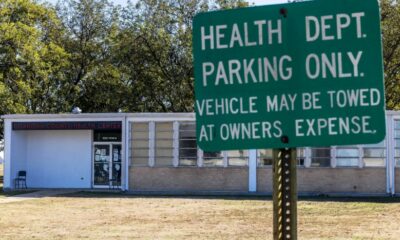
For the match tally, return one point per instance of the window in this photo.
(321, 157)
(213, 159)
(106, 136)
(347, 156)
(163, 143)
(264, 157)
(238, 158)
(301, 156)
(374, 155)
(140, 144)
(187, 144)
(397, 142)
(188, 148)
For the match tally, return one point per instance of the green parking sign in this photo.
(289, 75)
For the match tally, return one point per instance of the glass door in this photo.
(101, 165)
(107, 165)
(116, 165)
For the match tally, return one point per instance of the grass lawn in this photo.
(1, 177)
(108, 216)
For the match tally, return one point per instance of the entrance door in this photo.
(107, 165)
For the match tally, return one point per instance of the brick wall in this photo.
(331, 180)
(311, 180)
(188, 179)
(397, 179)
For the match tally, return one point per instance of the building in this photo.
(157, 152)
(1, 151)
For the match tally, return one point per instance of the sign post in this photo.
(284, 194)
(303, 74)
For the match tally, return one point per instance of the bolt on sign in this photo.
(289, 75)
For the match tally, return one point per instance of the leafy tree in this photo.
(94, 83)
(390, 18)
(31, 57)
(156, 52)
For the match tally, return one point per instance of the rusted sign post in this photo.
(284, 194)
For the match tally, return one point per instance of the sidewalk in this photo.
(35, 195)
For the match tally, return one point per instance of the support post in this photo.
(285, 194)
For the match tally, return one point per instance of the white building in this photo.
(1, 151)
(157, 152)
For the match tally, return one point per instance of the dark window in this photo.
(187, 144)
(107, 136)
(321, 157)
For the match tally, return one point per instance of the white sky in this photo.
(256, 2)
(265, 2)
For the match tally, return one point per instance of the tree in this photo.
(94, 83)
(390, 18)
(156, 52)
(229, 4)
(31, 57)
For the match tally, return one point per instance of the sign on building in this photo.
(290, 75)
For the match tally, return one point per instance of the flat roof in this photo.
(118, 115)
(98, 115)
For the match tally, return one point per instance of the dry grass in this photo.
(94, 216)
(1, 176)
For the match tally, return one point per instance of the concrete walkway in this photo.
(34, 195)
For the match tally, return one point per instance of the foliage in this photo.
(92, 81)
(155, 52)
(390, 18)
(31, 58)
(135, 59)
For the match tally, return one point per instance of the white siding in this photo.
(58, 159)
(17, 157)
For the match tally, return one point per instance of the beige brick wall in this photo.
(397, 179)
(264, 180)
(331, 180)
(188, 179)
(311, 180)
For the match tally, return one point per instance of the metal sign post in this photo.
(285, 194)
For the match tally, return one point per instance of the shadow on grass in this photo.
(89, 194)
(357, 199)
(85, 194)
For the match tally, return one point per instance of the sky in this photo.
(256, 2)
(265, 2)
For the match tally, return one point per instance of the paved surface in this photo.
(34, 195)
